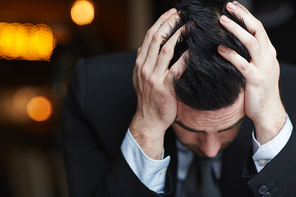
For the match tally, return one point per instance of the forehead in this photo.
(211, 121)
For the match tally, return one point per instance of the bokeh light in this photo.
(26, 41)
(39, 109)
(82, 12)
(19, 103)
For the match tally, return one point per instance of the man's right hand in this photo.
(153, 82)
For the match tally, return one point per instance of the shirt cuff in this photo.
(151, 172)
(266, 152)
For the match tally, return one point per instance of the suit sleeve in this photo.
(277, 178)
(91, 169)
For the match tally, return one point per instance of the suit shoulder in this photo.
(126, 58)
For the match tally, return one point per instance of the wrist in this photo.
(149, 135)
(269, 125)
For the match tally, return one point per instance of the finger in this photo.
(248, 40)
(159, 37)
(167, 52)
(241, 6)
(153, 29)
(267, 40)
(253, 25)
(240, 63)
(142, 51)
(177, 70)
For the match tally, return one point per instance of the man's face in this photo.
(208, 132)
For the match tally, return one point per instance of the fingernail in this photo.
(231, 6)
(225, 19)
(222, 48)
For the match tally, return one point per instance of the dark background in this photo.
(31, 161)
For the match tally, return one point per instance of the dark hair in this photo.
(209, 81)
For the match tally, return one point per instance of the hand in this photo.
(153, 82)
(262, 98)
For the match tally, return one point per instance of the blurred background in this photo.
(40, 42)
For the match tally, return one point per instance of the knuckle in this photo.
(258, 24)
(273, 51)
(244, 67)
(151, 81)
(150, 32)
(138, 63)
(251, 42)
(166, 49)
(157, 37)
(144, 72)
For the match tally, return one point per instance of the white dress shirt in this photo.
(153, 172)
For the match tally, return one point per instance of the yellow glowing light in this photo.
(82, 12)
(26, 41)
(39, 109)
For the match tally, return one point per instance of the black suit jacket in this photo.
(98, 108)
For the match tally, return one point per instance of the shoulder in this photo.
(120, 60)
(105, 79)
(124, 57)
(101, 89)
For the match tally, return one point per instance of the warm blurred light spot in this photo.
(20, 101)
(39, 109)
(82, 12)
(26, 41)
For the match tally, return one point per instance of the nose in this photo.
(210, 145)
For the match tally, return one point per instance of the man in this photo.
(153, 158)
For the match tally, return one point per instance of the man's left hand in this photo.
(263, 104)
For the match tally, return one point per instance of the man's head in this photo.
(210, 92)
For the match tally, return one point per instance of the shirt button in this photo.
(262, 162)
(263, 189)
(162, 171)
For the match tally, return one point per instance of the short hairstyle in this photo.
(209, 82)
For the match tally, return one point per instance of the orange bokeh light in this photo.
(26, 41)
(39, 109)
(82, 12)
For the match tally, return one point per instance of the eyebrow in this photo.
(202, 131)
